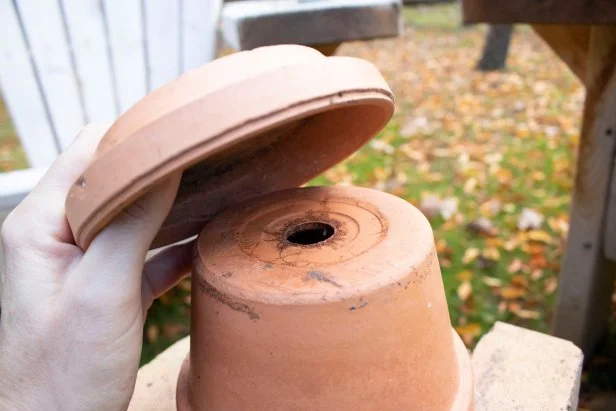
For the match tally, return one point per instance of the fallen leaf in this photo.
(540, 236)
(536, 275)
(538, 176)
(529, 220)
(470, 185)
(515, 266)
(492, 282)
(495, 242)
(525, 314)
(465, 290)
(482, 226)
(448, 207)
(519, 281)
(465, 275)
(551, 283)
(509, 208)
(511, 244)
(538, 261)
(152, 333)
(490, 208)
(511, 293)
(491, 254)
(502, 307)
(382, 146)
(470, 255)
(468, 332)
(430, 205)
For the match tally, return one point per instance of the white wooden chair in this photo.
(65, 63)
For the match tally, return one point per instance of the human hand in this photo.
(71, 324)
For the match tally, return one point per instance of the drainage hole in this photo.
(310, 233)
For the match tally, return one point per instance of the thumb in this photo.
(117, 254)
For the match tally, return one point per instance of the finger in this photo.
(118, 252)
(43, 209)
(163, 271)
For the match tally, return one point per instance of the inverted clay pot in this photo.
(321, 299)
(246, 124)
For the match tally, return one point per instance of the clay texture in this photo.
(244, 125)
(321, 299)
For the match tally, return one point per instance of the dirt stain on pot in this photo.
(208, 289)
(361, 304)
(323, 278)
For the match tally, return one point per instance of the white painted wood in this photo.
(15, 185)
(162, 18)
(125, 25)
(199, 20)
(21, 93)
(43, 23)
(94, 59)
(86, 28)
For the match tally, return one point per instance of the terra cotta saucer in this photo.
(243, 125)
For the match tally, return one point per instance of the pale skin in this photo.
(71, 321)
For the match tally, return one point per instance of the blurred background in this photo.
(488, 155)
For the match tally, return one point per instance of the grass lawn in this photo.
(485, 155)
(488, 157)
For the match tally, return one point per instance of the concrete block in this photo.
(157, 380)
(514, 369)
(250, 24)
(520, 369)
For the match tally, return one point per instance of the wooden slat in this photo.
(43, 23)
(199, 19)
(162, 30)
(570, 43)
(586, 279)
(21, 92)
(86, 28)
(539, 11)
(125, 25)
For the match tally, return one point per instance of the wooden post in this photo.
(569, 42)
(586, 280)
(494, 56)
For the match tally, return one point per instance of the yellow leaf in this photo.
(470, 255)
(515, 266)
(465, 275)
(468, 332)
(538, 235)
(441, 246)
(527, 314)
(519, 281)
(152, 333)
(465, 290)
(492, 282)
(511, 293)
(504, 176)
(491, 254)
(536, 274)
(470, 185)
(550, 285)
(495, 242)
(509, 208)
(511, 244)
(538, 176)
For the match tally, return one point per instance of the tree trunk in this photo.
(495, 51)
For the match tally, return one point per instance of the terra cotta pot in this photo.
(243, 125)
(303, 299)
(321, 299)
